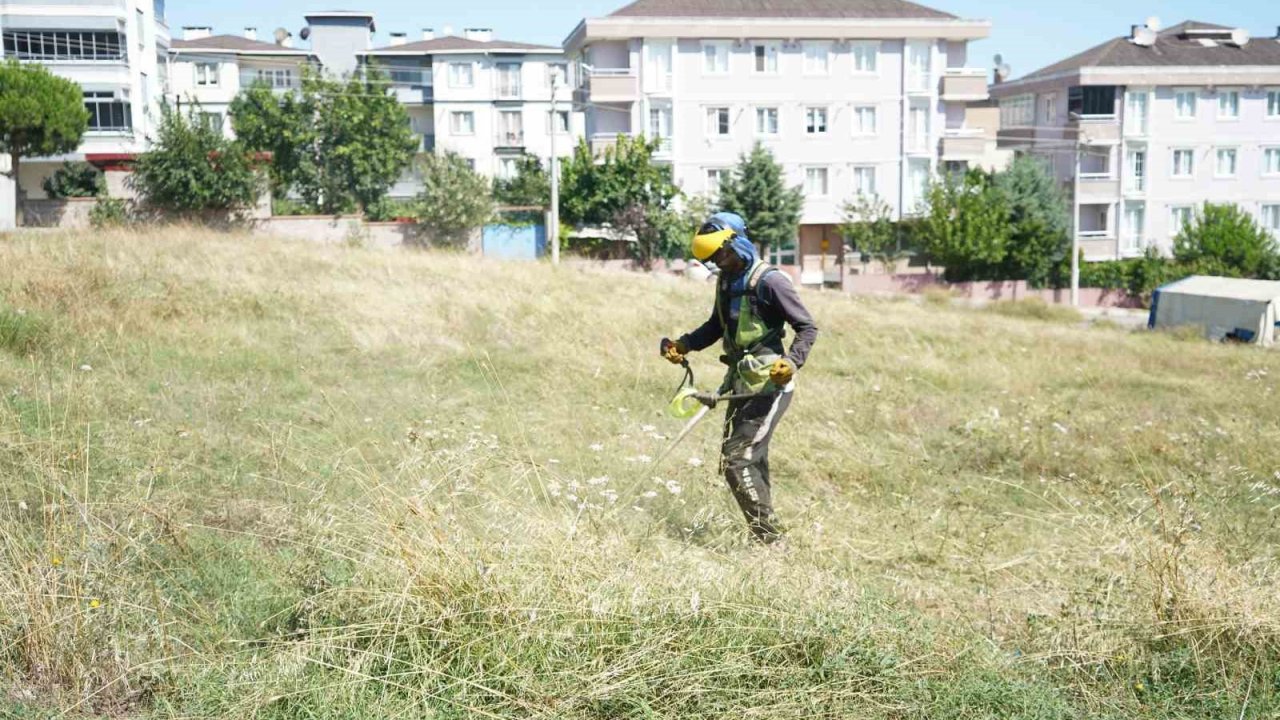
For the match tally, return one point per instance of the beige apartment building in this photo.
(864, 96)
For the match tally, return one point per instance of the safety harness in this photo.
(753, 345)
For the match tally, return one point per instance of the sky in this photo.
(1028, 33)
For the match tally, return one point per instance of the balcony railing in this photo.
(508, 89)
(410, 77)
(964, 84)
(509, 139)
(1136, 183)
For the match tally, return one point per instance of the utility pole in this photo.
(1075, 228)
(553, 232)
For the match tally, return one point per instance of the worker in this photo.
(753, 302)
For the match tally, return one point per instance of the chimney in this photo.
(478, 34)
(196, 32)
(251, 33)
(428, 34)
(287, 41)
(398, 38)
(447, 31)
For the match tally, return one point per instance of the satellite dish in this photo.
(1153, 22)
(999, 59)
(1240, 37)
(1004, 71)
(280, 35)
(305, 32)
(1144, 36)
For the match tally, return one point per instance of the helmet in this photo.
(713, 235)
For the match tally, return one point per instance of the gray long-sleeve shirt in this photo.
(778, 302)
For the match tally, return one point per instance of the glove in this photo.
(673, 350)
(782, 372)
(707, 398)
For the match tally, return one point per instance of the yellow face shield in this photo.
(706, 244)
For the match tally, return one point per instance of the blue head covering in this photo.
(744, 248)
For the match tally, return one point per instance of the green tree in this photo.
(454, 201)
(192, 167)
(756, 190)
(40, 114)
(625, 188)
(531, 186)
(75, 179)
(1039, 235)
(868, 226)
(340, 145)
(967, 226)
(1225, 240)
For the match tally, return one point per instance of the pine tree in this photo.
(756, 190)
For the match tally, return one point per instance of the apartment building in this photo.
(114, 49)
(486, 99)
(1161, 120)
(210, 70)
(863, 96)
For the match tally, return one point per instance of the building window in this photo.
(1271, 161)
(1184, 163)
(1018, 111)
(557, 75)
(815, 121)
(1271, 219)
(1179, 218)
(462, 123)
(815, 181)
(864, 120)
(206, 74)
(718, 122)
(508, 168)
(108, 114)
(715, 58)
(158, 8)
(558, 121)
(1050, 108)
(767, 121)
(1184, 104)
(1273, 104)
(461, 75)
(277, 78)
(1228, 104)
(509, 75)
(1226, 167)
(141, 24)
(766, 57)
(864, 180)
(51, 46)
(1091, 100)
(866, 57)
(817, 58)
(212, 121)
(715, 176)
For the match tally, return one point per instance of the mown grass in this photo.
(253, 478)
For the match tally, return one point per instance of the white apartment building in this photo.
(114, 49)
(1162, 120)
(485, 99)
(862, 96)
(210, 70)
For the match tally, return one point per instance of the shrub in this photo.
(75, 180)
(1225, 240)
(454, 201)
(193, 167)
(967, 226)
(109, 212)
(21, 333)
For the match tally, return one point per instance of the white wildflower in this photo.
(595, 447)
(649, 494)
(600, 480)
(1060, 428)
(673, 487)
(647, 428)
(552, 461)
(695, 601)
(86, 367)
(695, 462)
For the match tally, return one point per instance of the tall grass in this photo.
(252, 478)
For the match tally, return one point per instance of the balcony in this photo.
(1135, 185)
(964, 84)
(411, 86)
(509, 140)
(606, 85)
(1099, 186)
(963, 144)
(1103, 129)
(920, 82)
(507, 89)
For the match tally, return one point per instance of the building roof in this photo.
(454, 44)
(235, 44)
(1172, 48)
(844, 9)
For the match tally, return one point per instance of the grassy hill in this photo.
(248, 478)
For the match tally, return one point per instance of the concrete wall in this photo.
(71, 213)
(991, 291)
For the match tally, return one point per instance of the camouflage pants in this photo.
(744, 459)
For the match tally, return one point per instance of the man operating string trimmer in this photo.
(753, 301)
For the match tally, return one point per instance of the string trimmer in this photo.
(687, 402)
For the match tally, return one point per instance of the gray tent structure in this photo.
(1224, 308)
